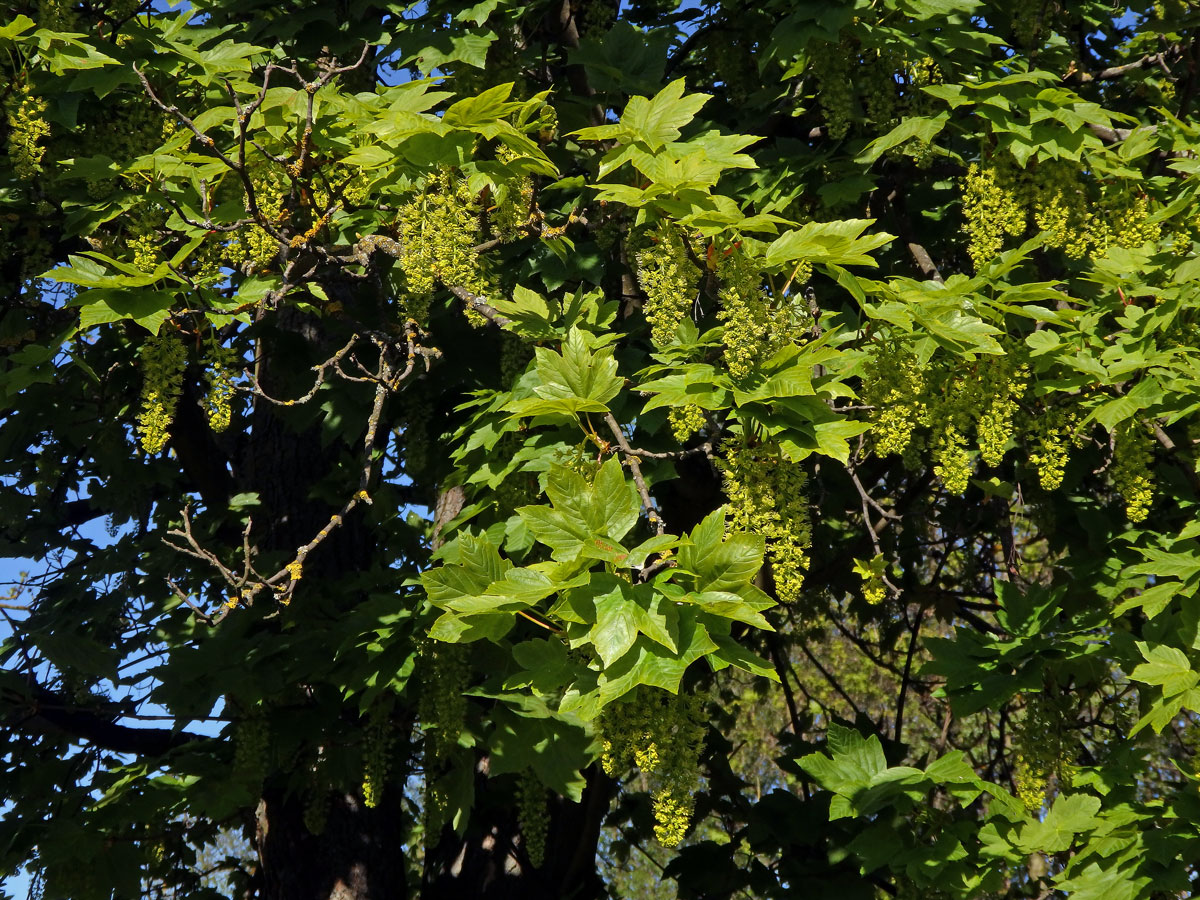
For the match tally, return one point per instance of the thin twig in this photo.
(238, 167)
(663, 562)
(208, 224)
(246, 586)
(1149, 60)
(388, 380)
(833, 682)
(635, 470)
(182, 595)
(173, 110)
(904, 682)
(481, 306)
(705, 449)
(789, 698)
(321, 368)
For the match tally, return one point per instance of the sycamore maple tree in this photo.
(577, 450)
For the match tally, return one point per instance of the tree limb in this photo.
(36, 708)
(635, 470)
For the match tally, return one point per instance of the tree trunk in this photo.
(289, 463)
(359, 856)
(361, 853)
(490, 861)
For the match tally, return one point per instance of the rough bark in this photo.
(490, 861)
(359, 856)
(294, 468)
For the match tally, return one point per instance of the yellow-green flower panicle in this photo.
(439, 230)
(533, 817)
(1062, 210)
(219, 374)
(163, 358)
(754, 327)
(662, 735)
(767, 496)
(685, 421)
(1049, 439)
(894, 385)
(1003, 384)
(1131, 472)
(442, 708)
(993, 206)
(27, 128)
(668, 277)
(377, 753)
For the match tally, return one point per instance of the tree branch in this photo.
(788, 697)
(477, 303)
(1116, 135)
(904, 682)
(40, 709)
(635, 470)
(1172, 53)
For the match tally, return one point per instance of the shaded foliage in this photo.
(542, 450)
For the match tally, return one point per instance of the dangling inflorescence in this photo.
(873, 574)
(377, 754)
(252, 248)
(515, 356)
(442, 708)
(219, 373)
(1129, 212)
(993, 206)
(27, 127)
(1131, 470)
(877, 76)
(753, 331)
(730, 52)
(416, 421)
(1003, 380)
(685, 421)
(1051, 436)
(949, 451)
(533, 817)
(439, 230)
(894, 386)
(952, 400)
(662, 735)
(163, 358)
(1061, 209)
(1071, 215)
(669, 279)
(514, 207)
(251, 747)
(831, 64)
(767, 497)
(316, 796)
(923, 73)
(1043, 754)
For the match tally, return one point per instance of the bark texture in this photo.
(490, 860)
(359, 856)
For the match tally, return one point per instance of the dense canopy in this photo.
(581, 449)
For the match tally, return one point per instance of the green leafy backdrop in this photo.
(579, 450)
